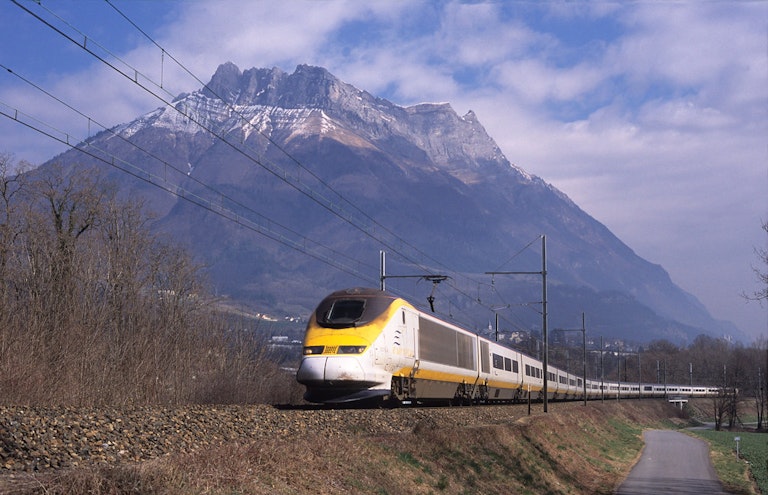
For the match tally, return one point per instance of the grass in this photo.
(753, 450)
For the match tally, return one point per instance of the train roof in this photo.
(362, 292)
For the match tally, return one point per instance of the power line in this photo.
(234, 110)
(178, 191)
(138, 78)
(223, 198)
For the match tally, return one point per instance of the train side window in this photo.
(515, 368)
(527, 370)
(498, 362)
(507, 364)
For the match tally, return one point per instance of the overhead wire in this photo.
(135, 76)
(234, 110)
(135, 79)
(517, 253)
(224, 199)
(281, 174)
(176, 190)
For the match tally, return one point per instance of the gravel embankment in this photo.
(38, 439)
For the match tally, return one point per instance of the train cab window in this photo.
(346, 311)
(352, 308)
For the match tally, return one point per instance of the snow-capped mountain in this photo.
(332, 172)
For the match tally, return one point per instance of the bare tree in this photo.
(10, 185)
(761, 272)
(707, 355)
(760, 392)
(760, 295)
(719, 408)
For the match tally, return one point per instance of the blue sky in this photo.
(651, 116)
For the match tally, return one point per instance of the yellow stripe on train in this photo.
(442, 376)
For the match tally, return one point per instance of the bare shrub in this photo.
(96, 309)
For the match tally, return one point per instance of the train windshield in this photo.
(352, 308)
(346, 311)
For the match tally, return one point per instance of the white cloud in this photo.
(476, 35)
(264, 34)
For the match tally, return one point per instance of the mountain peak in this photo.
(307, 87)
(226, 77)
(459, 145)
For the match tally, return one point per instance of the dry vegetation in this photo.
(496, 449)
(96, 309)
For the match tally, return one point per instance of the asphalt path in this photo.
(672, 463)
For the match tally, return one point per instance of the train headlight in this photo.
(350, 349)
(313, 349)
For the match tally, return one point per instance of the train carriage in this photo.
(505, 367)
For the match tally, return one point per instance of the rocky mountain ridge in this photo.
(299, 148)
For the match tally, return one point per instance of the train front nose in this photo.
(311, 371)
(329, 371)
(336, 379)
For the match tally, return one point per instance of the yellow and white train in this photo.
(365, 344)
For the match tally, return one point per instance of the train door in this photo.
(395, 349)
(406, 333)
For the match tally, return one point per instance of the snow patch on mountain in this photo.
(313, 103)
